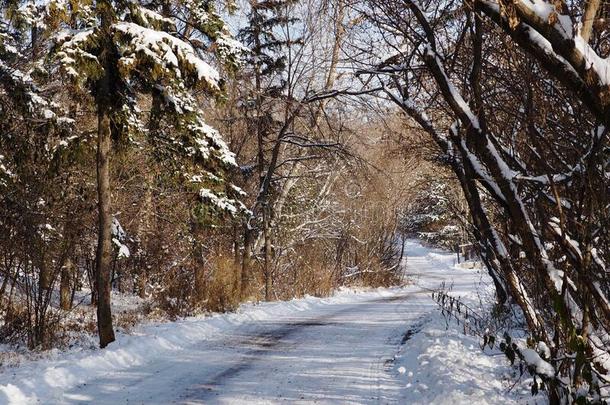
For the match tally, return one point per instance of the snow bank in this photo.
(440, 364)
(44, 381)
(435, 364)
(443, 366)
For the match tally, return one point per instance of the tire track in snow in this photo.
(273, 341)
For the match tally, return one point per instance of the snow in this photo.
(73, 45)
(447, 367)
(593, 61)
(118, 237)
(544, 10)
(2, 167)
(165, 50)
(385, 345)
(221, 202)
(546, 46)
(455, 94)
(544, 350)
(152, 19)
(481, 170)
(123, 251)
(532, 358)
(598, 260)
(601, 294)
(554, 223)
(443, 365)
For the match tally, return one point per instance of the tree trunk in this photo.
(267, 269)
(104, 248)
(45, 276)
(246, 264)
(91, 275)
(104, 98)
(142, 282)
(334, 60)
(199, 275)
(147, 207)
(588, 19)
(250, 231)
(65, 293)
(44, 286)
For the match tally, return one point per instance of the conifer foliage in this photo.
(122, 49)
(114, 53)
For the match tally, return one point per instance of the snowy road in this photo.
(340, 355)
(339, 350)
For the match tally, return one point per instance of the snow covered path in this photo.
(338, 355)
(343, 349)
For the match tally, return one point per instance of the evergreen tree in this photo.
(33, 163)
(268, 72)
(117, 52)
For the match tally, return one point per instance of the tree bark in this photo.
(104, 99)
(246, 264)
(104, 248)
(65, 293)
(267, 272)
(142, 282)
(145, 219)
(588, 19)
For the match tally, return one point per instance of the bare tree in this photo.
(505, 142)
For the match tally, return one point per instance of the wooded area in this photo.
(201, 154)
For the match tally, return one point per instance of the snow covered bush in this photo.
(431, 215)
